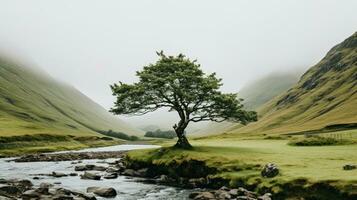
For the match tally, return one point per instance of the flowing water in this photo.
(127, 188)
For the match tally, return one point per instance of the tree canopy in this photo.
(179, 84)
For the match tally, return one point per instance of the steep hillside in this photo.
(255, 94)
(266, 88)
(31, 102)
(324, 98)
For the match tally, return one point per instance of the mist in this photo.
(92, 44)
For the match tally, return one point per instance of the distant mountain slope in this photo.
(33, 102)
(255, 94)
(325, 96)
(264, 89)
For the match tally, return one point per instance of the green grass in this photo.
(320, 141)
(241, 160)
(316, 163)
(40, 143)
(31, 102)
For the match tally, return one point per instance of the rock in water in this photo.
(30, 194)
(91, 176)
(204, 196)
(58, 174)
(103, 192)
(111, 176)
(270, 170)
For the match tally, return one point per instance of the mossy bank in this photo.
(42, 143)
(237, 163)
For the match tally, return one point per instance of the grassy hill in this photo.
(31, 102)
(266, 88)
(325, 98)
(255, 94)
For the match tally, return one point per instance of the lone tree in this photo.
(179, 84)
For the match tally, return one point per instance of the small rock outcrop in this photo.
(111, 176)
(23, 189)
(58, 174)
(90, 176)
(225, 193)
(349, 167)
(103, 192)
(270, 170)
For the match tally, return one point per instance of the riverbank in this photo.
(238, 163)
(11, 146)
(104, 169)
(74, 175)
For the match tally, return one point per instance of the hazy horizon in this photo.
(92, 44)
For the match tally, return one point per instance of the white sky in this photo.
(91, 44)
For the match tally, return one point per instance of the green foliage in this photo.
(119, 135)
(179, 84)
(318, 141)
(161, 134)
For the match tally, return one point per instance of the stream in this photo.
(128, 188)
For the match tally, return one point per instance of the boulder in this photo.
(58, 174)
(142, 172)
(83, 196)
(30, 194)
(197, 182)
(42, 190)
(266, 196)
(349, 167)
(90, 176)
(224, 188)
(205, 196)
(46, 185)
(112, 170)
(62, 197)
(193, 195)
(62, 191)
(270, 170)
(73, 174)
(111, 176)
(89, 167)
(245, 198)
(233, 192)
(10, 190)
(164, 179)
(223, 195)
(4, 198)
(80, 168)
(129, 172)
(103, 192)
(99, 168)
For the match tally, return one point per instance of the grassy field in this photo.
(240, 160)
(315, 163)
(41, 143)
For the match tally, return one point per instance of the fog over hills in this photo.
(96, 44)
(33, 102)
(324, 98)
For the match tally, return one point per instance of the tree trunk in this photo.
(182, 141)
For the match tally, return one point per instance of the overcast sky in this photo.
(91, 44)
